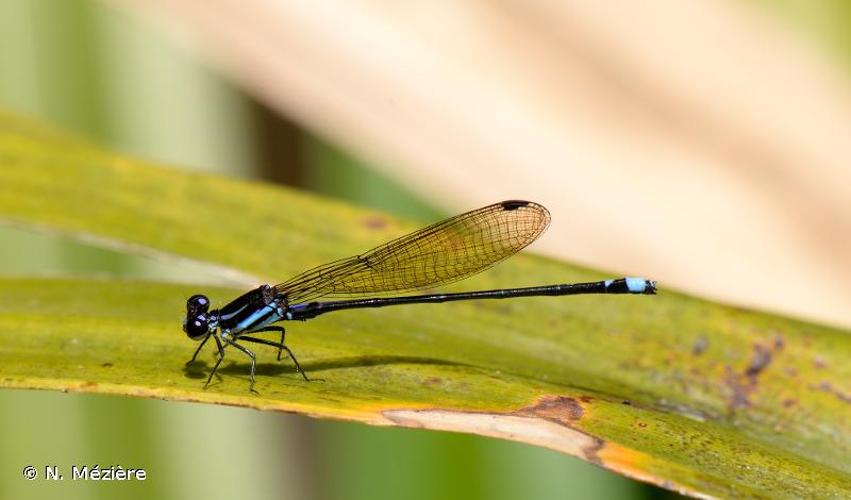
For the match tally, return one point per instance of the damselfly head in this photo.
(196, 328)
(197, 322)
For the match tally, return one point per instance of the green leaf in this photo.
(698, 397)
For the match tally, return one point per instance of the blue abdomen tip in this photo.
(636, 285)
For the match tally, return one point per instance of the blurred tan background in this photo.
(701, 143)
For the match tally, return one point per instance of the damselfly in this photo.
(444, 252)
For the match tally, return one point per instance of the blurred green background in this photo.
(116, 79)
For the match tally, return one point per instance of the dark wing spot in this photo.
(510, 205)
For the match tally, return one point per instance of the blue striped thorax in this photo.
(252, 311)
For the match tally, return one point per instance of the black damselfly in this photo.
(444, 252)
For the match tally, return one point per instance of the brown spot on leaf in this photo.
(700, 345)
(375, 223)
(819, 363)
(789, 402)
(744, 384)
(559, 409)
(760, 360)
(107, 365)
(826, 386)
(739, 397)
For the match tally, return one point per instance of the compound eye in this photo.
(197, 304)
(197, 327)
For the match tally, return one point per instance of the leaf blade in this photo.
(755, 392)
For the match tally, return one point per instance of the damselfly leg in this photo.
(221, 353)
(280, 347)
(198, 350)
